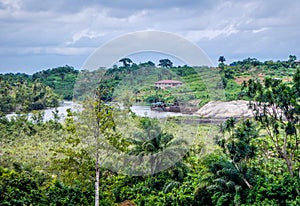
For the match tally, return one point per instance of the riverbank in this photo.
(48, 113)
(212, 112)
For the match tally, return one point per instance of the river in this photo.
(48, 113)
(143, 111)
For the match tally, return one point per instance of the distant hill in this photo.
(22, 92)
(135, 82)
(60, 79)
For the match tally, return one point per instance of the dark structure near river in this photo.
(162, 107)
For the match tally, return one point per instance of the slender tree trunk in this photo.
(288, 162)
(96, 135)
(97, 178)
(243, 178)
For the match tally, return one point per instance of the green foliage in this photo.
(23, 97)
(221, 60)
(255, 162)
(166, 63)
(60, 79)
(277, 109)
(21, 187)
(60, 194)
(220, 183)
(27, 187)
(238, 144)
(152, 139)
(126, 61)
(274, 190)
(229, 176)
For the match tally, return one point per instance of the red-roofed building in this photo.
(167, 83)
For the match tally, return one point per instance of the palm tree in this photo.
(221, 183)
(156, 146)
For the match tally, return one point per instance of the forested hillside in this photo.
(23, 96)
(60, 79)
(254, 161)
(23, 93)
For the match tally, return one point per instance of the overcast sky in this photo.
(36, 35)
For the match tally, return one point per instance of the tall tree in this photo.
(276, 106)
(165, 63)
(291, 61)
(292, 58)
(221, 59)
(126, 61)
(237, 145)
(95, 124)
(104, 123)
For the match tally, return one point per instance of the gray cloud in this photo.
(73, 29)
